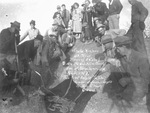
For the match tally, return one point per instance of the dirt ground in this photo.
(101, 102)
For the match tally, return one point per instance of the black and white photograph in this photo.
(77, 56)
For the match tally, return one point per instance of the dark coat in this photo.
(115, 7)
(139, 12)
(101, 11)
(137, 66)
(27, 50)
(7, 41)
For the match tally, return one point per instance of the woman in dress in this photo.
(77, 20)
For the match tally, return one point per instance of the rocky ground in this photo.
(99, 103)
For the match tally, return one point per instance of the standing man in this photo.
(8, 37)
(65, 15)
(115, 8)
(32, 33)
(58, 11)
(28, 50)
(138, 70)
(138, 15)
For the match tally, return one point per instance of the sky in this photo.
(42, 11)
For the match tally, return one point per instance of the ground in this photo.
(101, 102)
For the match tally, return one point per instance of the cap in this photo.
(58, 7)
(32, 22)
(16, 25)
(122, 40)
(39, 37)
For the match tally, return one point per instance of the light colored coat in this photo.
(77, 20)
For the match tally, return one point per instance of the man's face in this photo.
(101, 30)
(76, 6)
(54, 38)
(37, 43)
(63, 7)
(13, 29)
(32, 26)
(87, 3)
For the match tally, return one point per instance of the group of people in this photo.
(83, 21)
(92, 23)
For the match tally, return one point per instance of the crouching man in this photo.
(102, 30)
(137, 66)
(52, 49)
(68, 40)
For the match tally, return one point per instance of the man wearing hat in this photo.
(28, 50)
(57, 12)
(51, 48)
(102, 30)
(8, 38)
(68, 39)
(32, 32)
(65, 15)
(138, 69)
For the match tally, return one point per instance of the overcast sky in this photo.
(42, 11)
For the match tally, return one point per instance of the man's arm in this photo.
(143, 11)
(106, 13)
(119, 32)
(119, 6)
(24, 36)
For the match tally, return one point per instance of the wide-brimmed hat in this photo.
(16, 25)
(39, 37)
(32, 22)
(122, 40)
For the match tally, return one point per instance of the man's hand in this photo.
(142, 25)
(114, 62)
(15, 80)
